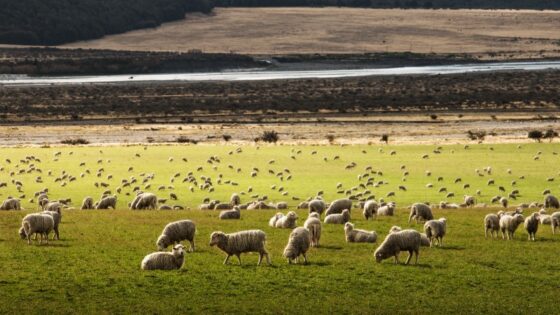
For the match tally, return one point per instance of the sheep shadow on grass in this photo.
(330, 247)
(450, 247)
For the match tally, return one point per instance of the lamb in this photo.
(370, 209)
(287, 221)
(298, 244)
(508, 224)
(41, 223)
(272, 221)
(241, 242)
(338, 218)
(555, 221)
(357, 235)
(338, 205)
(57, 218)
(388, 209)
(420, 211)
(492, 224)
(317, 205)
(394, 243)
(144, 201)
(313, 224)
(532, 225)
(10, 204)
(87, 203)
(435, 230)
(175, 232)
(551, 201)
(165, 260)
(232, 214)
(107, 202)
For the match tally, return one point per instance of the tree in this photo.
(330, 138)
(385, 138)
(535, 135)
(550, 134)
(270, 136)
(476, 135)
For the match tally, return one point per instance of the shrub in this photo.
(183, 139)
(226, 137)
(75, 141)
(535, 135)
(270, 136)
(433, 116)
(330, 138)
(550, 134)
(385, 138)
(476, 135)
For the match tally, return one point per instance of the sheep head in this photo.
(217, 238)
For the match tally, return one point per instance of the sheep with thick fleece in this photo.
(287, 221)
(370, 209)
(317, 205)
(338, 206)
(165, 260)
(394, 243)
(532, 225)
(234, 200)
(10, 204)
(551, 201)
(425, 241)
(232, 214)
(240, 242)
(508, 224)
(469, 201)
(57, 218)
(107, 202)
(544, 218)
(298, 244)
(387, 210)
(144, 201)
(435, 230)
(87, 203)
(338, 218)
(40, 223)
(420, 211)
(491, 224)
(272, 221)
(555, 221)
(175, 232)
(357, 235)
(313, 224)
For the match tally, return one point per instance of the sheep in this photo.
(544, 218)
(87, 203)
(144, 201)
(370, 209)
(420, 211)
(222, 206)
(532, 225)
(435, 230)
(338, 218)
(387, 210)
(357, 235)
(492, 224)
(232, 214)
(338, 205)
(555, 221)
(508, 224)
(504, 202)
(53, 206)
(551, 201)
(175, 232)
(424, 241)
(241, 242)
(287, 221)
(282, 206)
(107, 202)
(41, 223)
(469, 201)
(57, 218)
(394, 243)
(317, 205)
(298, 244)
(165, 260)
(10, 204)
(313, 224)
(235, 200)
(165, 207)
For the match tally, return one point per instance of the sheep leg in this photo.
(397, 259)
(192, 246)
(47, 238)
(485, 233)
(227, 259)
(29, 239)
(239, 258)
(267, 257)
(260, 259)
(304, 259)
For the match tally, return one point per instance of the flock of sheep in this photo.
(301, 238)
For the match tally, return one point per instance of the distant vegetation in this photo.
(405, 4)
(39, 22)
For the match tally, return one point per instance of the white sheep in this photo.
(298, 244)
(144, 201)
(508, 224)
(87, 203)
(387, 210)
(313, 224)
(469, 201)
(57, 218)
(165, 260)
(532, 225)
(555, 221)
(370, 209)
(108, 202)
(10, 204)
(235, 200)
(232, 214)
(394, 243)
(424, 241)
(551, 201)
(338, 206)
(40, 223)
(175, 232)
(435, 230)
(357, 235)
(240, 242)
(492, 224)
(420, 211)
(317, 205)
(287, 221)
(338, 218)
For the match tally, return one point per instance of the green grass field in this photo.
(95, 267)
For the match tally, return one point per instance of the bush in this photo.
(550, 134)
(226, 138)
(476, 135)
(183, 139)
(270, 136)
(385, 138)
(433, 116)
(330, 138)
(535, 135)
(75, 141)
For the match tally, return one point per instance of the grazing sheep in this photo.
(313, 224)
(144, 201)
(492, 224)
(175, 232)
(469, 201)
(87, 204)
(387, 210)
(338, 218)
(551, 201)
(370, 209)
(10, 204)
(298, 244)
(317, 205)
(57, 218)
(394, 243)
(357, 235)
(165, 260)
(420, 211)
(555, 221)
(41, 223)
(532, 225)
(107, 202)
(544, 218)
(282, 206)
(504, 202)
(424, 241)
(232, 214)
(235, 200)
(287, 221)
(508, 224)
(53, 206)
(338, 205)
(241, 242)
(435, 230)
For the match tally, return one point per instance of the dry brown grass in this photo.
(348, 30)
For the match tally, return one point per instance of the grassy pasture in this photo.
(94, 268)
